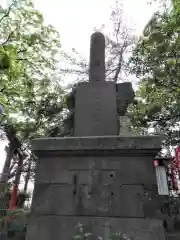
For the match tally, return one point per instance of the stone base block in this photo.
(64, 228)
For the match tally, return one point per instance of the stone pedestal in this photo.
(108, 184)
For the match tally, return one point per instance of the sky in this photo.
(76, 20)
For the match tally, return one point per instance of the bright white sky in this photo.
(76, 19)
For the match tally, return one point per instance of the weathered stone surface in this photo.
(125, 95)
(148, 145)
(95, 109)
(103, 170)
(97, 58)
(61, 227)
(53, 199)
(94, 200)
(172, 236)
(4, 204)
(153, 204)
(89, 200)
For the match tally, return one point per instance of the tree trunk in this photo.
(19, 169)
(6, 169)
(27, 177)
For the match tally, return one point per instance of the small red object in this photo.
(156, 163)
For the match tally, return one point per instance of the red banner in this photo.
(173, 174)
(13, 199)
(178, 159)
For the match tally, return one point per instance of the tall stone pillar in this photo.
(99, 179)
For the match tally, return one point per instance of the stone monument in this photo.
(99, 179)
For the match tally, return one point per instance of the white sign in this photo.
(162, 180)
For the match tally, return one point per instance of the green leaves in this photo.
(156, 62)
(29, 76)
(28, 65)
(171, 61)
(176, 5)
(81, 233)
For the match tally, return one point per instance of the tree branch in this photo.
(21, 51)
(21, 59)
(10, 35)
(119, 66)
(8, 12)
